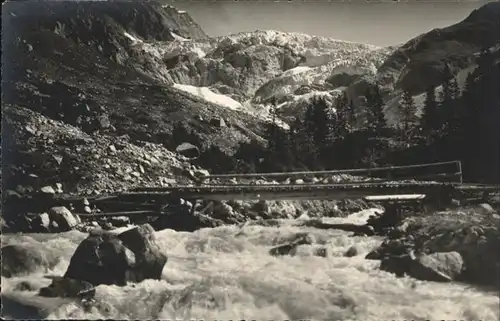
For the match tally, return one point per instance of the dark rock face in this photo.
(420, 62)
(147, 20)
(104, 258)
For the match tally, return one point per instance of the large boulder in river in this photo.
(149, 260)
(443, 266)
(290, 248)
(107, 258)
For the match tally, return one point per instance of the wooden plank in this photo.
(286, 187)
(329, 172)
(440, 177)
(288, 192)
(125, 213)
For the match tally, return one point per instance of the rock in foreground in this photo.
(461, 244)
(107, 258)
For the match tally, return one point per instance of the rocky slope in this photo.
(73, 65)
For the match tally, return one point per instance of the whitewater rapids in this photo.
(228, 273)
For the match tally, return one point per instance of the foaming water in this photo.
(228, 273)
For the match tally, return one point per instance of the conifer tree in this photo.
(278, 152)
(343, 116)
(408, 110)
(448, 106)
(376, 118)
(431, 122)
(304, 150)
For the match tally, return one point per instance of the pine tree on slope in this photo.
(376, 117)
(407, 111)
(431, 122)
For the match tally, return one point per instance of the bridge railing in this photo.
(450, 171)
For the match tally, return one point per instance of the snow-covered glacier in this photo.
(255, 66)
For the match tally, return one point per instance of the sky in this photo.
(376, 23)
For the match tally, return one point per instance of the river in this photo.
(227, 273)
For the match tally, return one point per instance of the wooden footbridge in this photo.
(436, 183)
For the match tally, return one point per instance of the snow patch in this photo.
(210, 96)
(295, 71)
(132, 38)
(177, 37)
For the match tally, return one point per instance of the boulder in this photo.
(352, 251)
(68, 288)
(261, 208)
(374, 255)
(321, 251)
(441, 266)
(291, 247)
(397, 264)
(222, 210)
(218, 122)
(485, 209)
(23, 259)
(181, 219)
(5, 226)
(41, 223)
(149, 260)
(119, 221)
(48, 190)
(107, 258)
(198, 172)
(188, 150)
(63, 217)
(103, 121)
